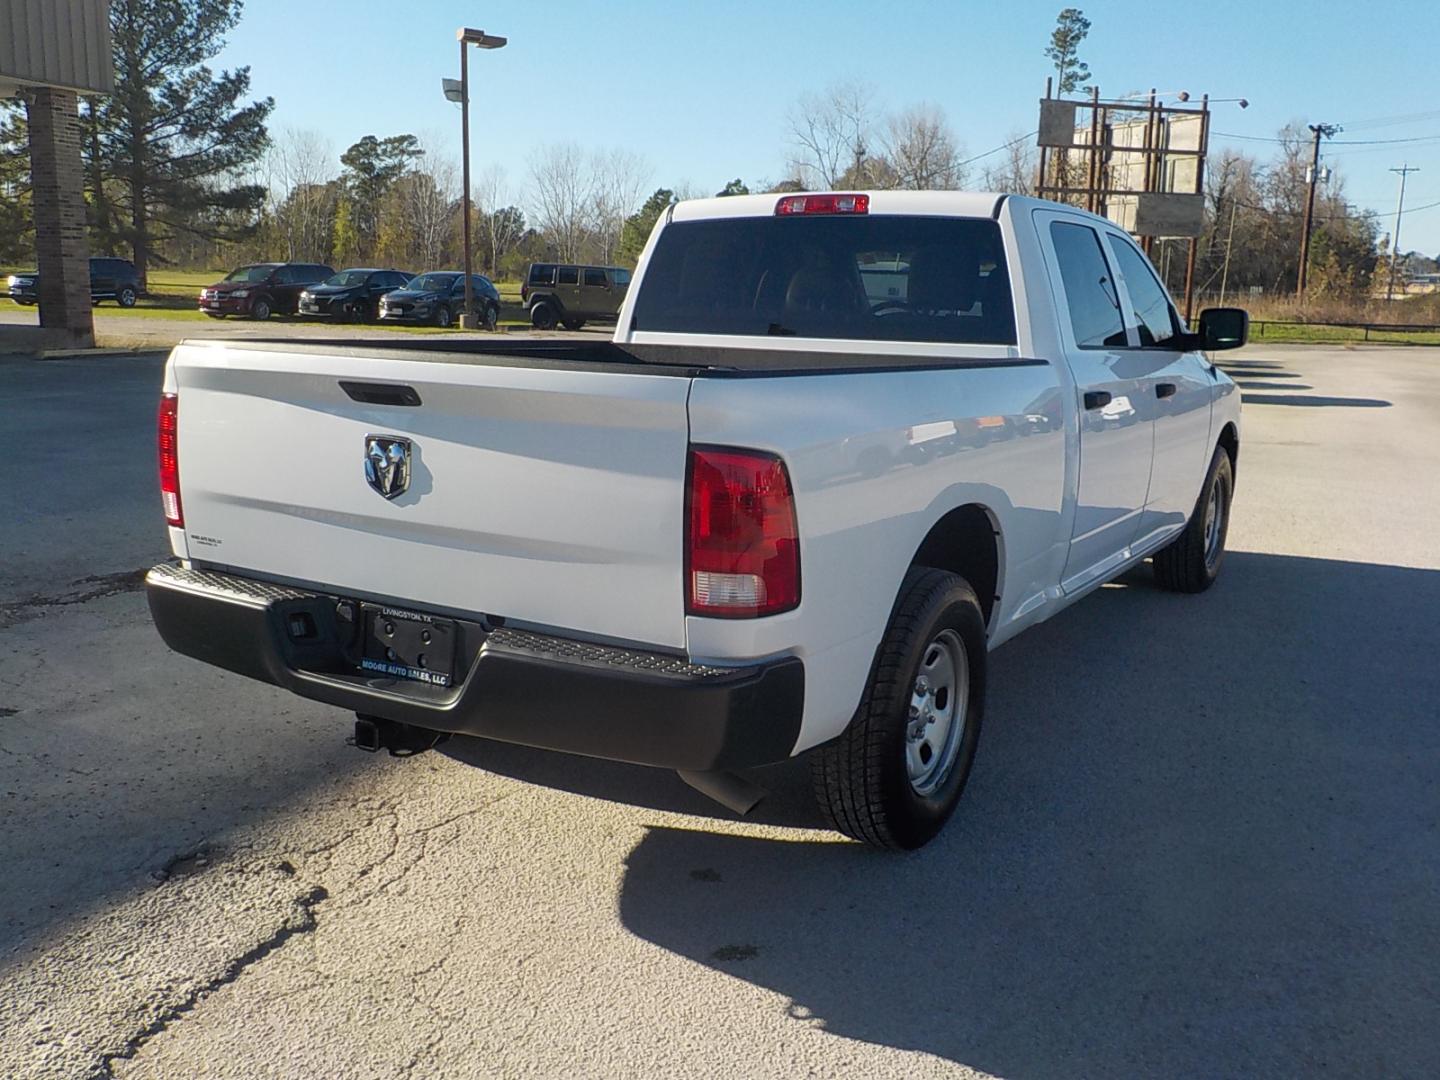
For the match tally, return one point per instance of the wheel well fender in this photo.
(967, 541)
(1230, 440)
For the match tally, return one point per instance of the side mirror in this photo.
(1223, 328)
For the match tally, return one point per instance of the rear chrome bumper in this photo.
(516, 686)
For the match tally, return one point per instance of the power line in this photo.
(1002, 146)
(1333, 142)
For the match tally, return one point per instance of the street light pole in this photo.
(467, 317)
(1404, 171)
(482, 40)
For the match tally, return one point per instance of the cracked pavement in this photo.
(1201, 838)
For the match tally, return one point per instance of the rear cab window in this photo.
(542, 274)
(568, 275)
(872, 278)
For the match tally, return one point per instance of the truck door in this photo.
(1176, 392)
(1116, 437)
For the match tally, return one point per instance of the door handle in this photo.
(1165, 389)
(1096, 399)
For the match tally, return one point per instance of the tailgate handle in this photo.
(370, 393)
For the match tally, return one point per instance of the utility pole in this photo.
(1404, 171)
(1229, 243)
(1327, 131)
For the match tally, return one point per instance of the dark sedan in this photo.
(438, 298)
(351, 295)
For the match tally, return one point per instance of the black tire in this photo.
(125, 297)
(443, 316)
(542, 317)
(1191, 562)
(861, 779)
(260, 310)
(574, 324)
(492, 316)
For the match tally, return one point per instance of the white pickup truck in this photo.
(839, 447)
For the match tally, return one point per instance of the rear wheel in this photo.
(1191, 562)
(542, 317)
(260, 310)
(895, 775)
(125, 297)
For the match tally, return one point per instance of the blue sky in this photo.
(702, 91)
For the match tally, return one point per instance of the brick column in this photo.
(61, 245)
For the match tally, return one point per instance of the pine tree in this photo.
(174, 134)
(1071, 27)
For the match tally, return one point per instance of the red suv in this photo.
(261, 289)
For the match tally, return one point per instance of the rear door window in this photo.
(1090, 291)
(542, 274)
(595, 277)
(568, 275)
(872, 277)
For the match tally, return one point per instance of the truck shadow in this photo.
(1199, 841)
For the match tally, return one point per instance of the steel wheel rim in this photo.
(935, 724)
(1214, 515)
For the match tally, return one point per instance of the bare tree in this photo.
(921, 150)
(297, 172)
(618, 184)
(501, 222)
(1013, 171)
(563, 193)
(427, 199)
(829, 132)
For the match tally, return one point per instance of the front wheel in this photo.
(895, 775)
(492, 316)
(260, 310)
(443, 316)
(125, 297)
(1191, 562)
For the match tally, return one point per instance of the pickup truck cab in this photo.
(840, 446)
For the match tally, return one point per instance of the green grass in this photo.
(1272, 333)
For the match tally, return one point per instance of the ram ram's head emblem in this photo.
(387, 464)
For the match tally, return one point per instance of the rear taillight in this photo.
(168, 425)
(524, 292)
(742, 548)
(822, 204)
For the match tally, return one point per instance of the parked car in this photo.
(261, 289)
(571, 296)
(351, 295)
(668, 548)
(438, 298)
(110, 279)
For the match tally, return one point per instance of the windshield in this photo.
(871, 278)
(349, 277)
(250, 273)
(432, 282)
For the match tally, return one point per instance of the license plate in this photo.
(408, 645)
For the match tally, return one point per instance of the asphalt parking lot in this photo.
(1202, 838)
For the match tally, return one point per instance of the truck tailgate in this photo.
(548, 495)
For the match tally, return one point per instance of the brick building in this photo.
(51, 51)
